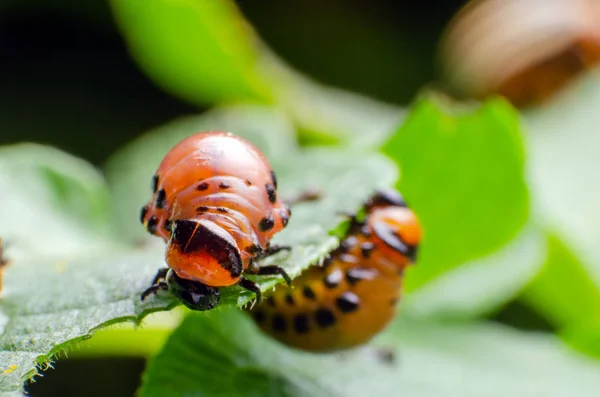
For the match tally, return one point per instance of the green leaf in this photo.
(205, 52)
(60, 285)
(463, 173)
(201, 50)
(128, 339)
(564, 143)
(51, 203)
(584, 337)
(564, 292)
(204, 357)
(480, 286)
(331, 115)
(50, 305)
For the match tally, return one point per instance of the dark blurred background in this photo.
(67, 80)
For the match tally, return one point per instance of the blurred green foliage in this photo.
(463, 173)
(508, 201)
(220, 64)
(431, 360)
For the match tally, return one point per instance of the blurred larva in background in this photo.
(525, 50)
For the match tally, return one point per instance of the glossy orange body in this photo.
(218, 184)
(353, 296)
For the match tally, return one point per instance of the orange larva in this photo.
(216, 205)
(353, 296)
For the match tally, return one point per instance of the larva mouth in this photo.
(203, 247)
(194, 295)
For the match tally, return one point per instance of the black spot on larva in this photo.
(366, 248)
(387, 197)
(347, 302)
(301, 324)
(348, 258)
(259, 316)
(151, 225)
(271, 301)
(285, 219)
(288, 209)
(324, 317)
(248, 182)
(266, 223)
(161, 199)
(365, 231)
(279, 324)
(394, 301)
(289, 299)
(167, 225)
(202, 208)
(202, 186)
(348, 243)
(271, 192)
(224, 185)
(222, 209)
(143, 213)
(154, 183)
(394, 240)
(333, 279)
(309, 293)
(274, 178)
(356, 274)
(253, 249)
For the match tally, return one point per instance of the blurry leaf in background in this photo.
(564, 143)
(130, 340)
(51, 203)
(552, 61)
(204, 357)
(564, 291)
(330, 115)
(463, 173)
(201, 50)
(204, 52)
(583, 337)
(480, 286)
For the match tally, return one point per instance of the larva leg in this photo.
(158, 283)
(251, 286)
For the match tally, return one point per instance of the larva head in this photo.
(396, 233)
(194, 295)
(201, 251)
